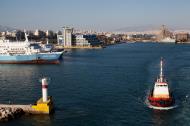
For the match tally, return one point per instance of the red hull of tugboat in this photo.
(161, 102)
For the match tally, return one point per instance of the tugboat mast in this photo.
(161, 70)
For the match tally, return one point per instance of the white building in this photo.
(60, 39)
(36, 33)
(47, 33)
(67, 36)
(3, 33)
(87, 40)
(81, 41)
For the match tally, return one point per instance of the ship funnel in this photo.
(44, 89)
(26, 37)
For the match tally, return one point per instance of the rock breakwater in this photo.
(8, 113)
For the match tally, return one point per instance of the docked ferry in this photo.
(168, 40)
(161, 96)
(26, 52)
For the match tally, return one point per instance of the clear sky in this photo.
(93, 14)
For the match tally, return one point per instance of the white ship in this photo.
(168, 40)
(26, 52)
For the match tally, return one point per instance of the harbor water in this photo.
(103, 87)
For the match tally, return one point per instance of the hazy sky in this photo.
(93, 14)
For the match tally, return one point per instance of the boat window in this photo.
(161, 85)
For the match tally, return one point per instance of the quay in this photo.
(78, 47)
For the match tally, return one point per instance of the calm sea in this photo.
(103, 87)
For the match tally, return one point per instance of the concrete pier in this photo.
(39, 108)
(78, 47)
(26, 108)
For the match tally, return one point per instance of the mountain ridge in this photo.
(144, 28)
(6, 28)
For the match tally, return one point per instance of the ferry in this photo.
(26, 52)
(160, 95)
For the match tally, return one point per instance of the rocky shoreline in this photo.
(8, 113)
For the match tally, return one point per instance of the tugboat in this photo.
(160, 96)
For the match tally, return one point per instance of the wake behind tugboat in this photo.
(160, 97)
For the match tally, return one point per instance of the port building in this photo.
(87, 40)
(66, 38)
(182, 37)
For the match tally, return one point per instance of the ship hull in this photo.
(161, 102)
(39, 58)
(31, 62)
